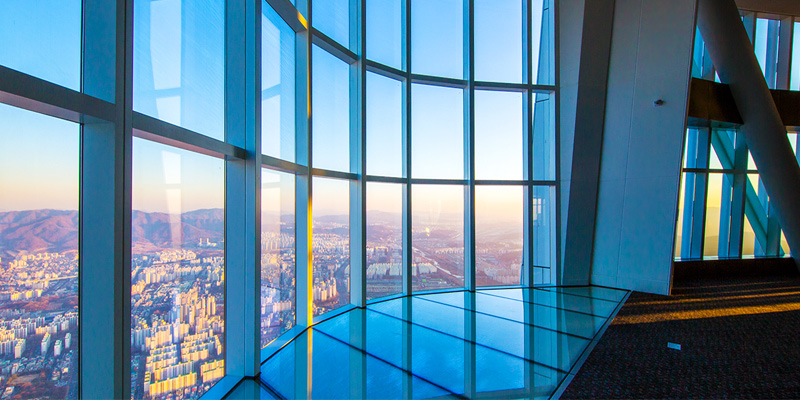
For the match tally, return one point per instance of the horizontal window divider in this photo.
(720, 171)
(386, 71)
(331, 46)
(547, 89)
(439, 81)
(499, 182)
(289, 14)
(147, 127)
(333, 174)
(542, 183)
(282, 165)
(501, 86)
(439, 181)
(44, 97)
(387, 179)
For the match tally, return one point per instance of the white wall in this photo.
(642, 144)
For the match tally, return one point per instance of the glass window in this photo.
(331, 111)
(766, 48)
(498, 40)
(498, 235)
(437, 131)
(179, 63)
(437, 237)
(384, 126)
(178, 271)
(39, 180)
(437, 38)
(543, 214)
(331, 244)
(277, 254)
(795, 78)
(679, 223)
(713, 210)
(384, 239)
(543, 151)
(332, 17)
(385, 32)
(498, 135)
(43, 38)
(542, 42)
(749, 240)
(277, 86)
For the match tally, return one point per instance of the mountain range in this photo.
(57, 230)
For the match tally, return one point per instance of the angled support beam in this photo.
(763, 129)
(589, 123)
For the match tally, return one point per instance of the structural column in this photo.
(763, 131)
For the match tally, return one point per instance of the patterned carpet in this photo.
(739, 338)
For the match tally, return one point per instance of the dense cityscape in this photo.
(177, 293)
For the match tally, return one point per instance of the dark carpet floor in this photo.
(739, 338)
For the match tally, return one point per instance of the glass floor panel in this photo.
(564, 300)
(494, 343)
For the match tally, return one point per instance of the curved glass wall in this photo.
(245, 173)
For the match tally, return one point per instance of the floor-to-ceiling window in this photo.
(229, 173)
(724, 209)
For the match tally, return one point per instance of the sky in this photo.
(179, 78)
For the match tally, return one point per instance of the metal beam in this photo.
(764, 132)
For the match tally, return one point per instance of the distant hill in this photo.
(57, 230)
(38, 230)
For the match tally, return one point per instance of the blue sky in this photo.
(179, 77)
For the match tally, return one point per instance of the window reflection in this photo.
(384, 239)
(178, 272)
(384, 126)
(43, 38)
(277, 254)
(498, 235)
(437, 236)
(331, 244)
(277, 86)
(39, 334)
(179, 63)
(331, 111)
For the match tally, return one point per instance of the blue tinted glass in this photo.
(438, 232)
(277, 86)
(437, 38)
(498, 135)
(543, 150)
(498, 40)
(43, 38)
(795, 80)
(331, 112)
(179, 63)
(543, 212)
(542, 42)
(385, 32)
(331, 244)
(499, 235)
(277, 254)
(384, 126)
(332, 17)
(437, 131)
(177, 271)
(39, 223)
(384, 239)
